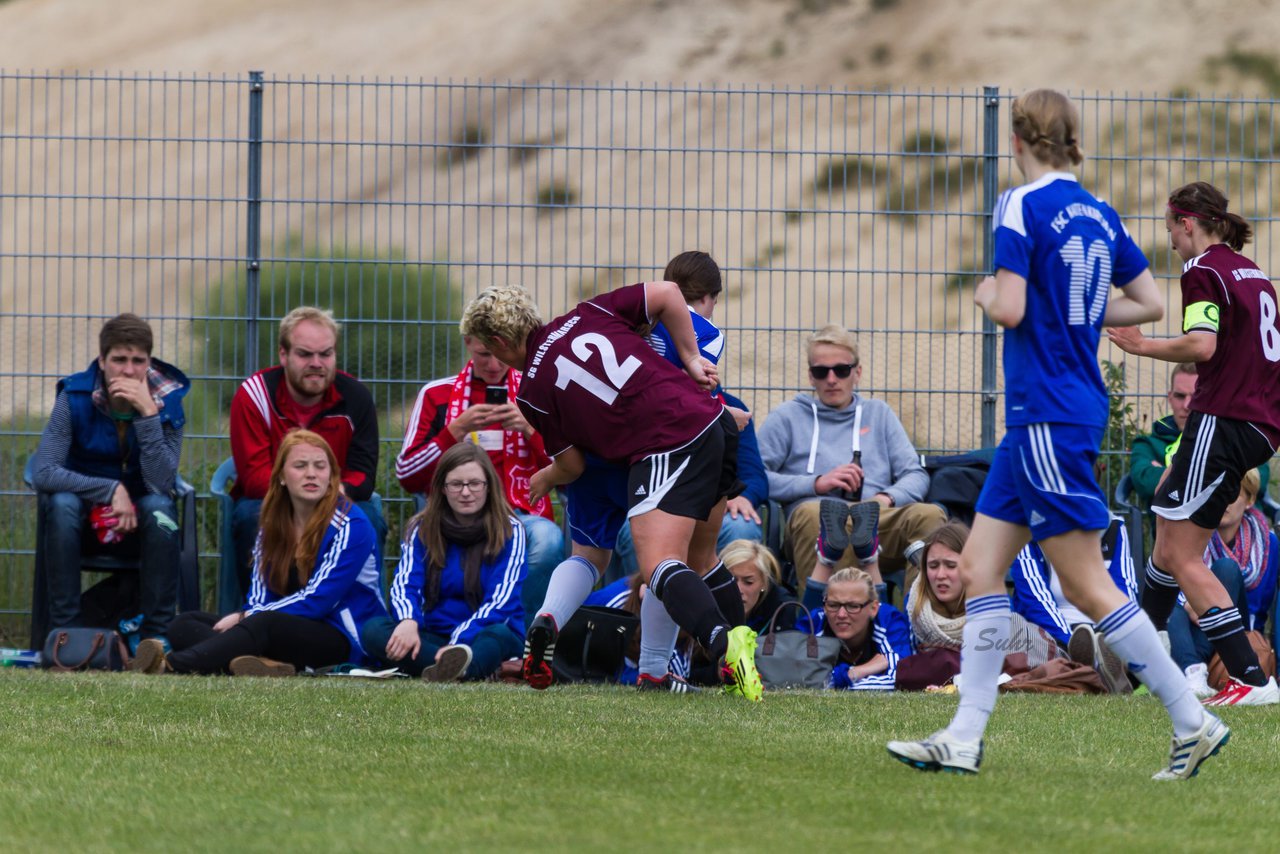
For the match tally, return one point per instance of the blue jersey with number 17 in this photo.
(1070, 247)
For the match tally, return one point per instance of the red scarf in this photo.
(517, 465)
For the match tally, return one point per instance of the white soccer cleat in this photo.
(1237, 693)
(939, 752)
(1187, 753)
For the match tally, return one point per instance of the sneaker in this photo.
(865, 529)
(150, 657)
(257, 665)
(833, 537)
(1187, 753)
(1198, 679)
(1112, 670)
(1081, 644)
(450, 666)
(539, 647)
(740, 664)
(670, 683)
(939, 752)
(1237, 693)
(1086, 646)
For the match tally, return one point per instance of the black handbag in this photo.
(592, 646)
(794, 659)
(71, 649)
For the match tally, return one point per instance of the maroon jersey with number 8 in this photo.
(592, 382)
(1242, 379)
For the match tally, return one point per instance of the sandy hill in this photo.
(1140, 46)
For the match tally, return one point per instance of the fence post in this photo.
(253, 222)
(990, 339)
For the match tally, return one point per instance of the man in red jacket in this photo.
(478, 405)
(306, 390)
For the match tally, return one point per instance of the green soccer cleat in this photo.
(740, 665)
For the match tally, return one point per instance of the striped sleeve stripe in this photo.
(510, 580)
(1030, 569)
(428, 456)
(330, 560)
(258, 394)
(399, 584)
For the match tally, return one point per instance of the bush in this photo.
(398, 323)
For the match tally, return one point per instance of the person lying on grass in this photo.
(456, 594)
(314, 581)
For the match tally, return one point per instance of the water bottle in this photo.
(19, 657)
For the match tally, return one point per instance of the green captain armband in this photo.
(1200, 315)
(1171, 450)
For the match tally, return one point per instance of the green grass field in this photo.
(131, 763)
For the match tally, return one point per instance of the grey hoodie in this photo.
(804, 438)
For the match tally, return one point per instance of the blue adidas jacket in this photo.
(1033, 595)
(501, 579)
(890, 632)
(344, 589)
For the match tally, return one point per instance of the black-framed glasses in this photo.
(850, 608)
(819, 372)
(455, 487)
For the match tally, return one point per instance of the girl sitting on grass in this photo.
(456, 593)
(315, 579)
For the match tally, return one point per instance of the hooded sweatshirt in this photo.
(804, 438)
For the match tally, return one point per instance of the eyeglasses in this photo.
(819, 372)
(455, 487)
(850, 608)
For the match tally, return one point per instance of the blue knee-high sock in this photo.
(986, 640)
(1131, 635)
(570, 585)
(658, 633)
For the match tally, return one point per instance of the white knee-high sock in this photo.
(986, 640)
(1131, 634)
(658, 633)
(570, 585)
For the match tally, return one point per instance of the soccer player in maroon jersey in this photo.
(593, 384)
(1229, 330)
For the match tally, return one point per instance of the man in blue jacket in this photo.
(108, 460)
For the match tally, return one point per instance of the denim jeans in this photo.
(489, 648)
(1189, 645)
(155, 544)
(544, 549)
(624, 561)
(244, 531)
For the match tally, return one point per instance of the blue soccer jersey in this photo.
(710, 340)
(1070, 248)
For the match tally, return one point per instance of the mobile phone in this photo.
(495, 394)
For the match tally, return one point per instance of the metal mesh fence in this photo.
(213, 205)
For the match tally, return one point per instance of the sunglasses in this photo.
(819, 372)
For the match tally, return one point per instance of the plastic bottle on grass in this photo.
(19, 657)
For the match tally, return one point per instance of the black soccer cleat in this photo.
(539, 647)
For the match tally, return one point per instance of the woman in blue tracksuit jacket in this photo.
(874, 636)
(315, 581)
(456, 594)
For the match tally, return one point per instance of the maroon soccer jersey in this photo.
(592, 382)
(1242, 380)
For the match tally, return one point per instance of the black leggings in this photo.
(197, 648)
